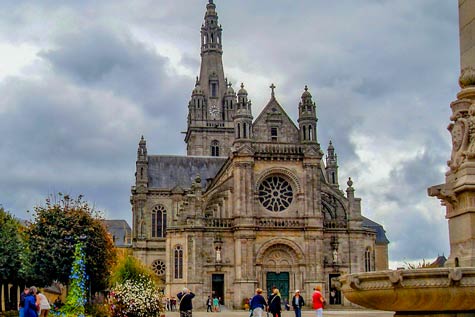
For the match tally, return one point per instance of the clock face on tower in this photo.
(214, 111)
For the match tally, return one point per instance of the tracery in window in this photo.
(159, 221)
(275, 193)
(158, 267)
(178, 262)
(214, 148)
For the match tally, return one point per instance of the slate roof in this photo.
(168, 171)
(120, 231)
(439, 262)
(380, 232)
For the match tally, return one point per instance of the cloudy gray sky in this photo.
(81, 81)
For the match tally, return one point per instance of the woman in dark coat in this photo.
(275, 304)
(31, 310)
(297, 303)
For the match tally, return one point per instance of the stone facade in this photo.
(253, 204)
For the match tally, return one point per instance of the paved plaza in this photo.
(305, 313)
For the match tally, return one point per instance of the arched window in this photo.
(244, 130)
(304, 133)
(310, 133)
(159, 221)
(238, 131)
(178, 262)
(367, 260)
(214, 148)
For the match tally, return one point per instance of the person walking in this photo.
(31, 309)
(21, 305)
(298, 303)
(275, 303)
(318, 300)
(216, 304)
(258, 303)
(44, 305)
(186, 305)
(209, 304)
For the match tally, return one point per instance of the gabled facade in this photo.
(253, 204)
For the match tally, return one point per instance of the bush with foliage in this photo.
(135, 291)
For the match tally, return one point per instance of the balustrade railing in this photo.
(218, 222)
(278, 148)
(280, 223)
(334, 224)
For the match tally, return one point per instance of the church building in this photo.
(254, 203)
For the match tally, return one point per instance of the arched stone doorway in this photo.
(280, 263)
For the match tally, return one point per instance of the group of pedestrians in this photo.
(273, 304)
(258, 304)
(33, 303)
(212, 304)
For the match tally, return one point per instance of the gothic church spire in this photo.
(212, 105)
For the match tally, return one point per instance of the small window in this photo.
(244, 130)
(367, 260)
(213, 89)
(273, 134)
(215, 148)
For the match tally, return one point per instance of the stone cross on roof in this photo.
(272, 87)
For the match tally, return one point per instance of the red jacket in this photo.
(317, 300)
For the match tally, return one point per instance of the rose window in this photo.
(158, 267)
(275, 193)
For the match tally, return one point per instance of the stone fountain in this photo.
(448, 291)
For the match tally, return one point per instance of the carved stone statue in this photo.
(335, 256)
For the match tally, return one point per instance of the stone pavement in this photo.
(305, 313)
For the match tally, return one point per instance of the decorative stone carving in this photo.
(470, 153)
(467, 77)
(459, 131)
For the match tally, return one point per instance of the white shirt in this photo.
(44, 304)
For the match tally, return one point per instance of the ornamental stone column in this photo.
(458, 192)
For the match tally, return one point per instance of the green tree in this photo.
(57, 226)
(11, 244)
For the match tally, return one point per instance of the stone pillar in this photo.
(2, 297)
(467, 33)
(458, 192)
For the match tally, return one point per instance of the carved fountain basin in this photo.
(415, 290)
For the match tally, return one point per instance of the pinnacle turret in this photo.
(332, 165)
(307, 118)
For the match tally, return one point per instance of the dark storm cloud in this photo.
(103, 60)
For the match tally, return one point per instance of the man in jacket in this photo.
(186, 306)
(297, 303)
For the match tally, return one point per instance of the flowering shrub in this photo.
(76, 299)
(136, 298)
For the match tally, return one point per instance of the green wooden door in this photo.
(279, 280)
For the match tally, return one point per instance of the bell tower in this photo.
(211, 109)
